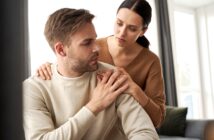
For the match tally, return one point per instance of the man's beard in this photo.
(82, 67)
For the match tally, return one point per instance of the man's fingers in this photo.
(119, 82)
(106, 75)
(99, 78)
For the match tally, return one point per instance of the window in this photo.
(187, 67)
(193, 51)
(205, 26)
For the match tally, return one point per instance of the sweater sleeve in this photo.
(39, 123)
(154, 89)
(135, 121)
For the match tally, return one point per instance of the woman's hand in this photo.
(134, 90)
(132, 85)
(44, 71)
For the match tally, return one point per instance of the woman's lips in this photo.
(120, 40)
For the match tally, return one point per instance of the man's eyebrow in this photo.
(87, 40)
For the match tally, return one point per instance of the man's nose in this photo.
(96, 49)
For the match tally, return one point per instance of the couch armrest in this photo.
(195, 128)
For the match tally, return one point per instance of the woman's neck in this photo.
(117, 50)
(122, 55)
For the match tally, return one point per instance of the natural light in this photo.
(188, 77)
(193, 56)
(104, 10)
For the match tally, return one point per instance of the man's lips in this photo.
(94, 59)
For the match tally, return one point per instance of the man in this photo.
(82, 101)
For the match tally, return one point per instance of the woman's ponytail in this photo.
(143, 41)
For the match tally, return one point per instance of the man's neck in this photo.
(65, 72)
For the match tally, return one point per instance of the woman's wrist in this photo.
(140, 96)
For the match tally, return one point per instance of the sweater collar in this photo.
(76, 80)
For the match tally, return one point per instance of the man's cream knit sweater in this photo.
(55, 110)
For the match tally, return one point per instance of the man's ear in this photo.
(59, 49)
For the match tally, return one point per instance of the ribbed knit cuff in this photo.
(84, 117)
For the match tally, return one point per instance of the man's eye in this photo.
(87, 43)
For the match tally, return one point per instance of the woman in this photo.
(128, 48)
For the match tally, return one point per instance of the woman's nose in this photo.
(123, 31)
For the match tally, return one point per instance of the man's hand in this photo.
(111, 84)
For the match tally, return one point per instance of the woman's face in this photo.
(128, 27)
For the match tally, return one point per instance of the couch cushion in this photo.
(176, 138)
(197, 128)
(175, 122)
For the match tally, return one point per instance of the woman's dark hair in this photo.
(142, 8)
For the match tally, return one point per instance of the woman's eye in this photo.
(133, 29)
(119, 23)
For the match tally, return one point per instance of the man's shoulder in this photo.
(32, 78)
(101, 40)
(36, 79)
(124, 98)
(33, 81)
(104, 66)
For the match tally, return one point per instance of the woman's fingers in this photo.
(44, 71)
(40, 73)
(48, 67)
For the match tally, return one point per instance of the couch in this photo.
(194, 131)
(177, 127)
